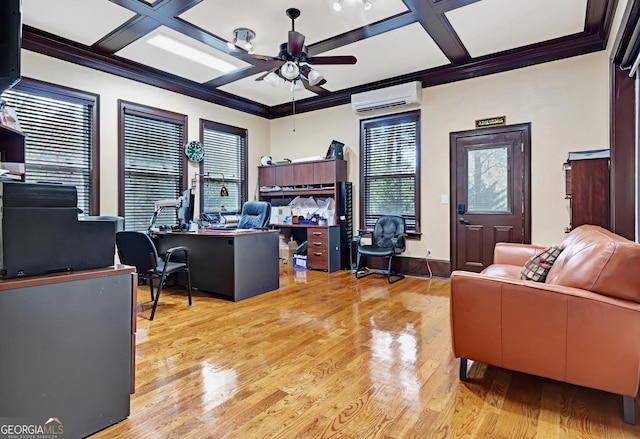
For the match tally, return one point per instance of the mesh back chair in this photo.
(255, 215)
(137, 249)
(387, 240)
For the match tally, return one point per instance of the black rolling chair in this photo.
(137, 249)
(255, 215)
(387, 240)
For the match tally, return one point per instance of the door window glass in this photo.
(488, 180)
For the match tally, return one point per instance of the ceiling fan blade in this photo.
(295, 43)
(249, 57)
(316, 88)
(332, 60)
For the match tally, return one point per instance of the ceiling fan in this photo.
(293, 62)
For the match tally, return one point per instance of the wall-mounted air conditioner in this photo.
(394, 98)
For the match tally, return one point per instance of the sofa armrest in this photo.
(558, 332)
(514, 254)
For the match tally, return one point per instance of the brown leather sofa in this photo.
(580, 326)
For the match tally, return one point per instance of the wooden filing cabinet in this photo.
(587, 189)
(323, 248)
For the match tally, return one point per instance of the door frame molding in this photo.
(525, 128)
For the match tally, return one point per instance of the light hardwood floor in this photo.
(328, 356)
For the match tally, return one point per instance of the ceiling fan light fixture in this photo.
(367, 4)
(314, 77)
(273, 79)
(297, 85)
(290, 70)
(337, 5)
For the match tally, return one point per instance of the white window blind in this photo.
(59, 144)
(389, 158)
(153, 168)
(225, 163)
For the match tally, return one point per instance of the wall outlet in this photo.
(428, 252)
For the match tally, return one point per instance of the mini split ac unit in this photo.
(397, 97)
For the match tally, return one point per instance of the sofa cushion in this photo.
(537, 267)
(598, 260)
(503, 270)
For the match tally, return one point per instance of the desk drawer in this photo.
(316, 244)
(317, 259)
(317, 237)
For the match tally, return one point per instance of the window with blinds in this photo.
(153, 164)
(61, 140)
(389, 158)
(224, 164)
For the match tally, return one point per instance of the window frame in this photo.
(92, 100)
(126, 107)
(229, 129)
(396, 118)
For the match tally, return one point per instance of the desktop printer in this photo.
(40, 232)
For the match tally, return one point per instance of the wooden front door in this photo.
(490, 193)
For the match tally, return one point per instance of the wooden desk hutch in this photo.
(327, 244)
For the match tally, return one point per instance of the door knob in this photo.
(463, 221)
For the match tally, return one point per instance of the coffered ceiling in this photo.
(394, 41)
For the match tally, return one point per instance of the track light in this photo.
(337, 5)
(290, 70)
(367, 4)
(242, 36)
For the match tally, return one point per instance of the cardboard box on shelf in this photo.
(286, 250)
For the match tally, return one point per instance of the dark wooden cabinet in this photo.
(306, 179)
(12, 151)
(587, 189)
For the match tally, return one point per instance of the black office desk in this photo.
(234, 263)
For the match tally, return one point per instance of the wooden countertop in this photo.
(68, 276)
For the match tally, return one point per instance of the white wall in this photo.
(111, 88)
(566, 102)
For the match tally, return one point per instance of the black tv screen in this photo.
(10, 42)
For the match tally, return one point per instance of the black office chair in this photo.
(388, 239)
(255, 215)
(137, 249)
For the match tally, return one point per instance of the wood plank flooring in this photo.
(329, 356)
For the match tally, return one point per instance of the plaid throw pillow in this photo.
(538, 267)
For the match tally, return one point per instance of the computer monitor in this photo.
(336, 150)
(185, 211)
